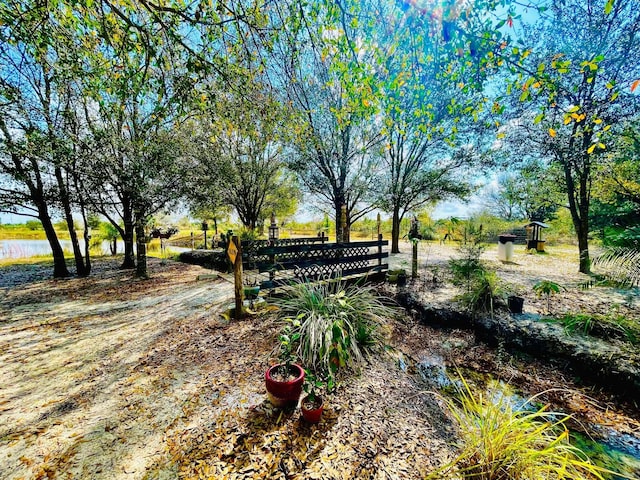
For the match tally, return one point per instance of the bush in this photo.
(484, 294)
(337, 324)
(499, 442)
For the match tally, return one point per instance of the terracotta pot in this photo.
(312, 413)
(284, 394)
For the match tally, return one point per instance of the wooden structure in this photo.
(534, 235)
(284, 262)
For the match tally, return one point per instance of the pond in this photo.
(30, 248)
(605, 446)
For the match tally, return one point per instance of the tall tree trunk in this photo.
(68, 216)
(141, 252)
(127, 238)
(59, 265)
(395, 230)
(338, 214)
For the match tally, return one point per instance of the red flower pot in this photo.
(284, 393)
(311, 411)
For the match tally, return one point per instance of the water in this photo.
(618, 452)
(31, 248)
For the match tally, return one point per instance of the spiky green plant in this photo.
(499, 442)
(337, 323)
(620, 265)
(483, 292)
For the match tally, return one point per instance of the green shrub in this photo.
(337, 324)
(484, 293)
(499, 442)
(468, 266)
(548, 289)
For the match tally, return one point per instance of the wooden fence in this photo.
(284, 262)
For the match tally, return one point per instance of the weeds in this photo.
(500, 442)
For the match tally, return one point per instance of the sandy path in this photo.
(74, 395)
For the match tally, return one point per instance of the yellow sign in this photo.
(232, 251)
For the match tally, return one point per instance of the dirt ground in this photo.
(111, 377)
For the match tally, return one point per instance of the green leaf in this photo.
(608, 7)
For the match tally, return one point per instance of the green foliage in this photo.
(482, 287)
(620, 265)
(500, 442)
(36, 225)
(548, 289)
(603, 326)
(312, 385)
(336, 324)
(288, 338)
(468, 266)
(485, 292)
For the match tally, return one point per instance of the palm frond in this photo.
(620, 265)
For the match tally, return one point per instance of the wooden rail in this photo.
(314, 261)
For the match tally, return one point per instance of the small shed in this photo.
(534, 235)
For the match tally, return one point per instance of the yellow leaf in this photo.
(567, 120)
(552, 132)
(591, 149)
(597, 121)
(607, 127)
(601, 146)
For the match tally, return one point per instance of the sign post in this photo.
(234, 251)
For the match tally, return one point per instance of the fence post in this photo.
(237, 276)
(379, 249)
(414, 260)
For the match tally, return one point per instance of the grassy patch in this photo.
(601, 326)
(499, 441)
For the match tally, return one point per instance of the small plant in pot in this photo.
(284, 380)
(312, 403)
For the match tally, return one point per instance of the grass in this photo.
(617, 326)
(337, 324)
(501, 442)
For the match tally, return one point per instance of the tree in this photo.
(39, 64)
(324, 73)
(530, 191)
(431, 72)
(578, 73)
(240, 153)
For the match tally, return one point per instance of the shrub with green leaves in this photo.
(500, 442)
(548, 289)
(468, 266)
(337, 324)
(482, 286)
(484, 292)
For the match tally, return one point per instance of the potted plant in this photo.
(284, 380)
(312, 404)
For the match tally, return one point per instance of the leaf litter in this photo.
(111, 377)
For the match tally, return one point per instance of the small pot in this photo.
(515, 304)
(311, 411)
(284, 394)
(251, 292)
